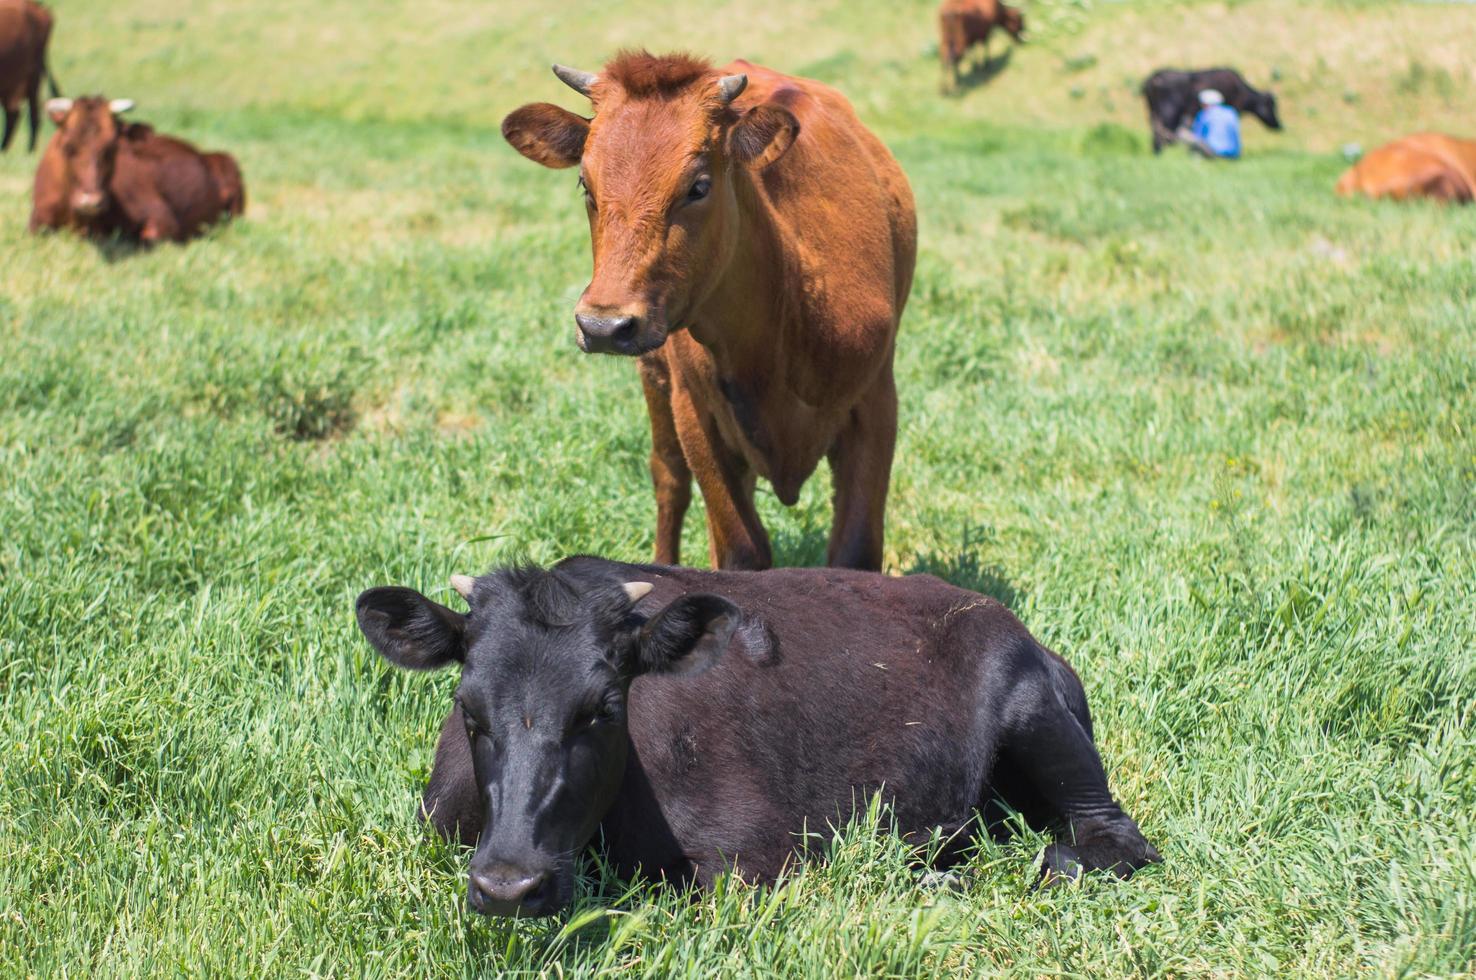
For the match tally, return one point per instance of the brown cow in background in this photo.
(102, 176)
(964, 23)
(25, 29)
(754, 243)
(1430, 165)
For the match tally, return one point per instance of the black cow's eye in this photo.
(699, 189)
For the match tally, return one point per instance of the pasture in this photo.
(1209, 431)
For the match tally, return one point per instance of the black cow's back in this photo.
(838, 685)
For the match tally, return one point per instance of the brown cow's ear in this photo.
(763, 135)
(410, 630)
(546, 134)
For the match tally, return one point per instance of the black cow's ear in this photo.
(546, 134)
(762, 135)
(687, 636)
(410, 630)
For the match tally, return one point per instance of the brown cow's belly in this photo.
(781, 437)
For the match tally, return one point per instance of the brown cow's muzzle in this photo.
(89, 205)
(617, 333)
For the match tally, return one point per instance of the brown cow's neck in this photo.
(742, 321)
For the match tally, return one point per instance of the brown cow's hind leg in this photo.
(11, 115)
(670, 476)
(861, 471)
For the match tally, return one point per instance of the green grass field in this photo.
(1208, 430)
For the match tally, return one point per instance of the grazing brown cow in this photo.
(1431, 165)
(102, 176)
(25, 28)
(964, 23)
(754, 243)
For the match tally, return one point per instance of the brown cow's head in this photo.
(1013, 21)
(663, 169)
(89, 130)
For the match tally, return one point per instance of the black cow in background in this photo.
(1173, 100)
(703, 721)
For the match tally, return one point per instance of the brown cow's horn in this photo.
(579, 81)
(119, 106)
(636, 591)
(58, 107)
(731, 86)
(465, 585)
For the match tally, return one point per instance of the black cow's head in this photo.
(1263, 107)
(546, 658)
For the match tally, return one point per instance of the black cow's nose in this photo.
(607, 334)
(507, 891)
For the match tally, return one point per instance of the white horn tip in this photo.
(636, 591)
(120, 106)
(58, 105)
(465, 585)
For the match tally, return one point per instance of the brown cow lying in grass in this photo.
(1430, 165)
(25, 29)
(101, 177)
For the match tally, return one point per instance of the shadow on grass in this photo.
(981, 73)
(967, 572)
(115, 249)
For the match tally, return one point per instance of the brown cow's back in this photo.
(1429, 165)
(25, 29)
(835, 150)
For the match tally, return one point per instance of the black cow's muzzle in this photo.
(504, 890)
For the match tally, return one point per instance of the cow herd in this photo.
(753, 249)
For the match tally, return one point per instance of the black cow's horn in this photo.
(579, 81)
(731, 86)
(464, 585)
(636, 591)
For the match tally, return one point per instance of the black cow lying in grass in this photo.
(1173, 100)
(597, 696)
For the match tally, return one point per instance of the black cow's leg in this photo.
(11, 115)
(1050, 746)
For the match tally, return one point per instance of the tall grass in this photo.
(1208, 431)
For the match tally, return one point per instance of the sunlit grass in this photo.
(1206, 429)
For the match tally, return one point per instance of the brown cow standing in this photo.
(755, 244)
(963, 23)
(1431, 165)
(25, 28)
(102, 176)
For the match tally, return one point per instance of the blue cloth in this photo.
(1218, 127)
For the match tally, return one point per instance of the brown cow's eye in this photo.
(588, 197)
(699, 189)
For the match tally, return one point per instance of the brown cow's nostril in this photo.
(607, 334)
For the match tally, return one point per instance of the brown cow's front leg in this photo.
(160, 224)
(861, 470)
(670, 476)
(735, 534)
